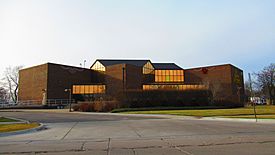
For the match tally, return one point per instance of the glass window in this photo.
(171, 72)
(157, 72)
(98, 67)
(172, 78)
(176, 78)
(174, 87)
(169, 76)
(181, 72)
(88, 89)
(148, 68)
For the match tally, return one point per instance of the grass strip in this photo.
(167, 108)
(260, 110)
(17, 127)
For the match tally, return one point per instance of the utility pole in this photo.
(252, 96)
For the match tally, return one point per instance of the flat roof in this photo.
(209, 66)
(166, 66)
(110, 62)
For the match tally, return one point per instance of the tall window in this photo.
(148, 68)
(98, 67)
(169, 76)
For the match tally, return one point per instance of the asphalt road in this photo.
(61, 117)
(69, 133)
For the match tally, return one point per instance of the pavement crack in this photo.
(176, 147)
(235, 143)
(43, 152)
(69, 131)
(139, 135)
(29, 142)
(82, 146)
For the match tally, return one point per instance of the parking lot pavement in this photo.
(141, 136)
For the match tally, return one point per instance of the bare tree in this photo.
(266, 81)
(3, 94)
(10, 80)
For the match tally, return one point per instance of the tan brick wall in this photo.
(54, 78)
(31, 82)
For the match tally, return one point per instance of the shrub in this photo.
(158, 98)
(76, 107)
(86, 107)
(105, 106)
(96, 106)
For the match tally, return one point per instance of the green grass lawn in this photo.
(4, 119)
(262, 111)
(17, 127)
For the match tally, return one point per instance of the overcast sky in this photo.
(190, 33)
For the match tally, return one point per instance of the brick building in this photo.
(110, 78)
(224, 81)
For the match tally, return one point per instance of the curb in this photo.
(17, 119)
(266, 121)
(168, 116)
(12, 133)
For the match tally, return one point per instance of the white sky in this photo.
(189, 33)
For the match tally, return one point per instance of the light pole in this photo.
(84, 63)
(70, 98)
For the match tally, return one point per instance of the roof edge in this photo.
(215, 66)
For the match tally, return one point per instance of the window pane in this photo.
(162, 72)
(181, 72)
(170, 72)
(171, 78)
(86, 89)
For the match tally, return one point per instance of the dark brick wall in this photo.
(31, 82)
(114, 79)
(237, 84)
(220, 80)
(61, 77)
(133, 77)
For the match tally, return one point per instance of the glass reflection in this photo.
(169, 76)
(89, 89)
(148, 68)
(98, 67)
(174, 87)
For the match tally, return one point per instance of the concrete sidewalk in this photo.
(150, 136)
